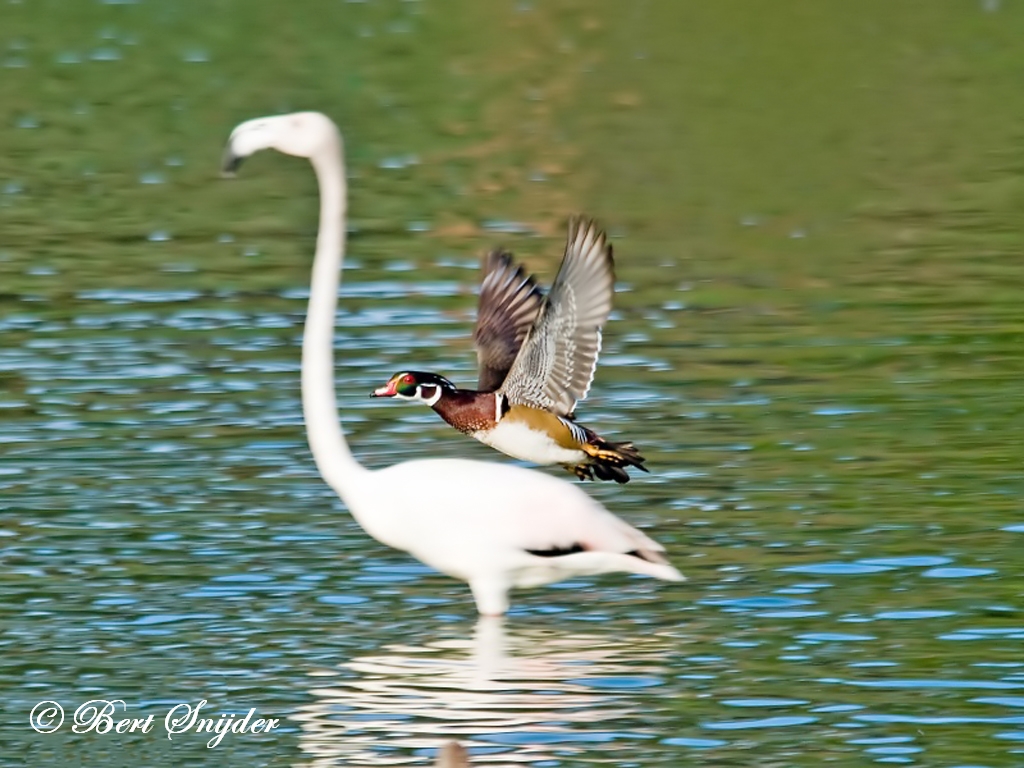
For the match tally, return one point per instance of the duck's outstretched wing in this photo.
(556, 364)
(509, 304)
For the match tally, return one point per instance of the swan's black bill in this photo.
(229, 163)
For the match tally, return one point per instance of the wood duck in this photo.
(537, 358)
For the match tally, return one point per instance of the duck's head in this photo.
(415, 385)
(301, 134)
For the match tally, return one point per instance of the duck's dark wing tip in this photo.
(510, 301)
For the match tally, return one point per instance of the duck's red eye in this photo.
(408, 379)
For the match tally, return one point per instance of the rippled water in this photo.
(816, 343)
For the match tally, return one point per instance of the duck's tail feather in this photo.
(608, 460)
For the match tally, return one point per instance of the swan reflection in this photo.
(512, 697)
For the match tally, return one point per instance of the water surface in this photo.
(815, 212)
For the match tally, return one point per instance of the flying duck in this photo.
(537, 358)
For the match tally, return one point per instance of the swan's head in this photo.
(415, 385)
(302, 134)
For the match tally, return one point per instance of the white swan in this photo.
(495, 526)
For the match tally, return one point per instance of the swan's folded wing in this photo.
(556, 364)
(509, 304)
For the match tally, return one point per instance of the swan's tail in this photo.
(593, 563)
(658, 566)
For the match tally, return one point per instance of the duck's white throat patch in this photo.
(432, 400)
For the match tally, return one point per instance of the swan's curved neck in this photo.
(320, 409)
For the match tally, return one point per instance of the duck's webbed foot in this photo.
(582, 471)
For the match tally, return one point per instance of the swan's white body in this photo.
(472, 520)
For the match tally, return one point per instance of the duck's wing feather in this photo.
(509, 304)
(556, 364)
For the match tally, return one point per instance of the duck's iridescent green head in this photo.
(415, 385)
